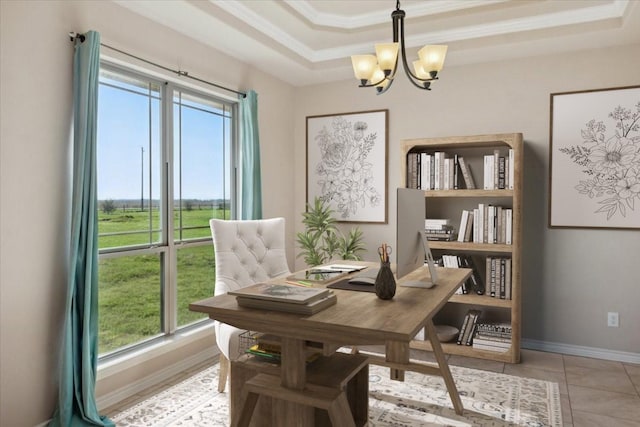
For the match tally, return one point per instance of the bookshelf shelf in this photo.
(469, 193)
(472, 247)
(474, 299)
(449, 204)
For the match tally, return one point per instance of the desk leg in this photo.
(398, 352)
(294, 376)
(444, 367)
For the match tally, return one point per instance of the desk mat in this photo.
(344, 284)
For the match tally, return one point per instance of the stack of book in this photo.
(492, 337)
(439, 229)
(283, 297)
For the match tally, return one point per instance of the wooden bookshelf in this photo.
(449, 204)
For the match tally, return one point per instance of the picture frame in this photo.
(346, 164)
(594, 159)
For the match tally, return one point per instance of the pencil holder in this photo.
(385, 284)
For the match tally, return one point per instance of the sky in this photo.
(123, 132)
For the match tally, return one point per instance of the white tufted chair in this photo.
(246, 252)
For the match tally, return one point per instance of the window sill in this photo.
(153, 350)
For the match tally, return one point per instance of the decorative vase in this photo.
(385, 284)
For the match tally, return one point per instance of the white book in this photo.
(462, 230)
(436, 222)
(481, 222)
(488, 172)
(437, 184)
(426, 172)
(508, 239)
(510, 174)
(446, 175)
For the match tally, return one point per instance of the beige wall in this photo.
(36, 73)
(571, 278)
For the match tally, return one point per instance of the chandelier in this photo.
(379, 70)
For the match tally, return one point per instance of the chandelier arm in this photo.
(407, 70)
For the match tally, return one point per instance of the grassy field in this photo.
(130, 286)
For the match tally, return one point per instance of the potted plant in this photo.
(322, 241)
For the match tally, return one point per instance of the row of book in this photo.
(498, 277)
(438, 171)
(474, 284)
(495, 281)
(498, 171)
(484, 336)
(486, 224)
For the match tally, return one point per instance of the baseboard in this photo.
(160, 376)
(577, 350)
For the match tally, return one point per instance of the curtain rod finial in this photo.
(73, 36)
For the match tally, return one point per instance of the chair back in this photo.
(248, 252)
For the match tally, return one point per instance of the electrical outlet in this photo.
(613, 320)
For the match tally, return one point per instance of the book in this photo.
(464, 222)
(469, 229)
(497, 349)
(510, 170)
(280, 292)
(463, 328)
(488, 172)
(308, 309)
(471, 327)
(466, 174)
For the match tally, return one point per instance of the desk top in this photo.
(358, 318)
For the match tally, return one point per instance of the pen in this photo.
(300, 283)
(329, 271)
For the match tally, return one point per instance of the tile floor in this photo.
(593, 392)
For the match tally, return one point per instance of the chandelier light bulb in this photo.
(363, 66)
(387, 54)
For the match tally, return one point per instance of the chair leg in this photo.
(223, 372)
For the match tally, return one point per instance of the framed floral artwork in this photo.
(594, 159)
(347, 164)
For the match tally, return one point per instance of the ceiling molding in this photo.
(300, 53)
(330, 20)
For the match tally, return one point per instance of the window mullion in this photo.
(171, 270)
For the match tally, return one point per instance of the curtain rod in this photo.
(73, 36)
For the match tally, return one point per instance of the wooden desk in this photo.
(358, 318)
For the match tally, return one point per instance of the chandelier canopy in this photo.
(379, 70)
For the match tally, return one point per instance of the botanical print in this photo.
(611, 161)
(595, 158)
(346, 165)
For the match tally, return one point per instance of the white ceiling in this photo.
(306, 42)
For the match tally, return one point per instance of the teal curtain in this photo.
(251, 182)
(79, 352)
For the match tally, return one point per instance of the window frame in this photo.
(167, 247)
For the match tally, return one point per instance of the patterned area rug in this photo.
(489, 399)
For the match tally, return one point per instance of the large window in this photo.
(165, 167)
